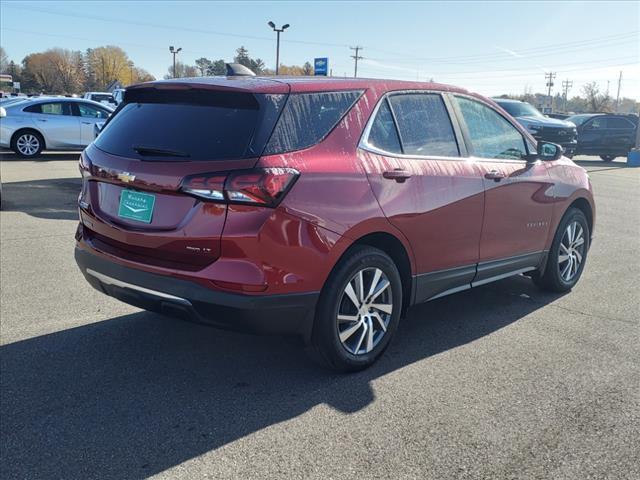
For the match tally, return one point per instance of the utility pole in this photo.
(549, 78)
(566, 85)
(174, 51)
(356, 57)
(278, 32)
(618, 95)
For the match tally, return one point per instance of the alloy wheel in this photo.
(28, 144)
(364, 311)
(571, 251)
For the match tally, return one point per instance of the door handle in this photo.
(86, 123)
(494, 175)
(41, 120)
(397, 174)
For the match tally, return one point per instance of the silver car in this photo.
(51, 123)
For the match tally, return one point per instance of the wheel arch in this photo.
(393, 247)
(18, 132)
(583, 204)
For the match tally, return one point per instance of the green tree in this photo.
(204, 65)
(218, 67)
(242, 57)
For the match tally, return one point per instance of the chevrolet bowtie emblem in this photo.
(126, 177)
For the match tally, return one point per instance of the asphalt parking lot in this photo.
(500, 382)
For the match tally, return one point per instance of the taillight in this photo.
(260, 186)
(84, 165)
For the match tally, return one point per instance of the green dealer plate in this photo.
(136, 206)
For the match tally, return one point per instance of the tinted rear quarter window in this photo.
(194, 124)
(616, 122)
(383, 134)
(309, 117)
(424, 125)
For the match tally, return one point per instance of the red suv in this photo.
(322, 208)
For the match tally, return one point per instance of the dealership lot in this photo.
(500, 382)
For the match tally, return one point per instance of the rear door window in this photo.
(383, 134)
(597, 123)
(191, 125)
(308, 118)
(424, 125)
(491, 135)
(90, 111)
(53, 108)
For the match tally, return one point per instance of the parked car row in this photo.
(607, 135)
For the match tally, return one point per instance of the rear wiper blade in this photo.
(159, 152)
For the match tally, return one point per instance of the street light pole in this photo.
(174, 51)
(278, 32)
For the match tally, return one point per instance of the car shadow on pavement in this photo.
(53, 199)
(621, 163)
(135, 395)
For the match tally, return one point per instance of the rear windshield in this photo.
(190, 125)
(308, 118)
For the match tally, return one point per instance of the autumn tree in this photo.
(68, 67)
(107, 64)
(41, 73)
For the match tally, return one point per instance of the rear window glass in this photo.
(308, 118)
(192, 125)
(424, 124)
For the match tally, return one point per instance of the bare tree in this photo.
(596, 101)
(4, 61)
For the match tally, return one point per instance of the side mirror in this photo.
(548, 151)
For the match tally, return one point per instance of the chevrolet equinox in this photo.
(321, 208)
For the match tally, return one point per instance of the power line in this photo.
(524, 52)
(519, 56)
(447, 59)
(356, 57)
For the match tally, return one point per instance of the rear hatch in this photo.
(134, 204)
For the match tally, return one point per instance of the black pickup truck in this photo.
(542, 128)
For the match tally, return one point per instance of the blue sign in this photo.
(320, 66)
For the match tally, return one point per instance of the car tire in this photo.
(568, 254)
(608, 158)
(349, 336)
(27, 144)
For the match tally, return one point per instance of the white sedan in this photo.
(30, 126)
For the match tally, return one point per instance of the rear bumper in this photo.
(284, 314)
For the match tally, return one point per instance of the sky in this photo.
(487, 47)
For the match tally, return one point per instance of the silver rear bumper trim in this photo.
(107, 280)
